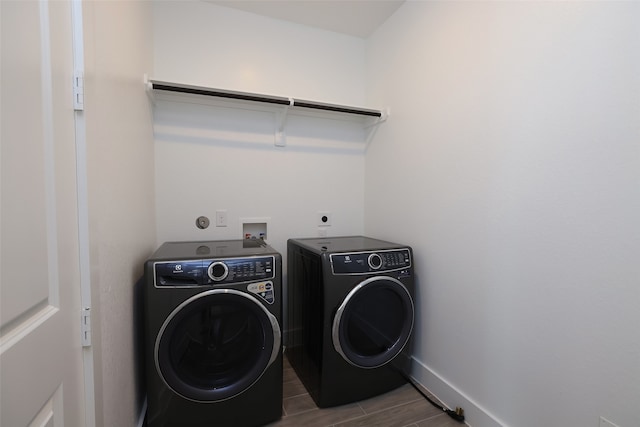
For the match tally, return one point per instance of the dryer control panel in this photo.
(370, 262)
(190, 273)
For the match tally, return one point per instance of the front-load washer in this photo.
(350, 316)
(213, 312)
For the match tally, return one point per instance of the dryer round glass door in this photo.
(374, 322)
(216, 344)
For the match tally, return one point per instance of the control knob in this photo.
(218, 271)
(375, 261)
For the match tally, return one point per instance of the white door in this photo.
(40, 350)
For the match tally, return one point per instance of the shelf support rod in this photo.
(280, 137)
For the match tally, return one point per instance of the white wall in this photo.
(212, 158)
(203, 44)
(515, 130)
(121, 196)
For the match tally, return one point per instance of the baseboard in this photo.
(475, 415)
(143, 414)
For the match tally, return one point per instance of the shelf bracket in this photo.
(374, 126)
(280, 139)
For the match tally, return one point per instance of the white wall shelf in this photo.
(286, 103)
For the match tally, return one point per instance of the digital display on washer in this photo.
(368, 262)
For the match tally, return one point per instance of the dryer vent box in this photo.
(254, 228)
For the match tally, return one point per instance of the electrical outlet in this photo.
(606, 423)
(324, 219)
(221, 218)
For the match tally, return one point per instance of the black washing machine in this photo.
(350, 314)
(213, 312)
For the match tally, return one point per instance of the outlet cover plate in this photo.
(324, 219)
(221, 218)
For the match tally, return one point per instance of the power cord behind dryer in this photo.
(457, 414)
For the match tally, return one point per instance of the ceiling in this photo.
(357, 18)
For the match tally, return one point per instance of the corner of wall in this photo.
(452, 397)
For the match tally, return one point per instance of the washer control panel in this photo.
(370, 262)
(192, 273)
(232, 270)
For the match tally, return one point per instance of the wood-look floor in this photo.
(403, 407)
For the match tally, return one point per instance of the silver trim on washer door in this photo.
(335, 329)
(277, 335)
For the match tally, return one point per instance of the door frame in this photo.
(83, 208)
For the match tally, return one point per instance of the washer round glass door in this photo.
(374, 322)
(216, 344)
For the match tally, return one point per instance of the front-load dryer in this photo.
(350, 316)
(213, 312)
